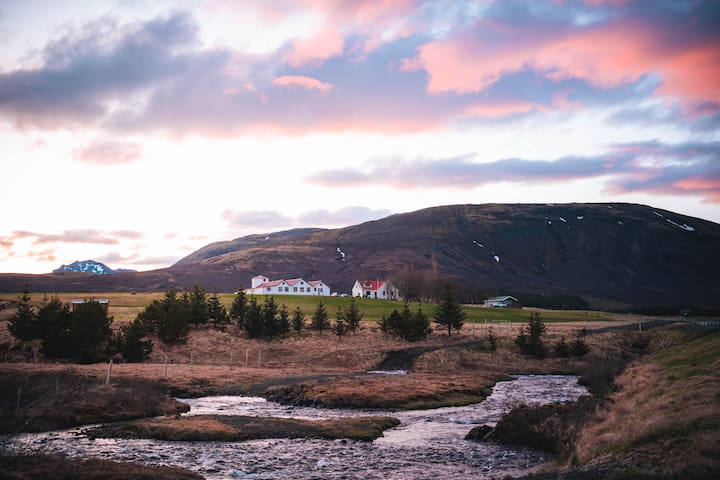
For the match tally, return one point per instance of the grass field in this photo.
(125, 306)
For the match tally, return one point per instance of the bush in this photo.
(406, 325)
(530, 337)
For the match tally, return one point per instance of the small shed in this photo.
(505, 301)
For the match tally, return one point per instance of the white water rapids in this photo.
(428, 444)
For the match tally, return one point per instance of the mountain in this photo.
(611, 255)
(90, 266)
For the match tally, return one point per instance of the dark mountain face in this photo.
(612, 255)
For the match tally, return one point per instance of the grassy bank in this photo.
(54, 467)
(41, 401)
(233, 428)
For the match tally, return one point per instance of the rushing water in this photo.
(429, 444)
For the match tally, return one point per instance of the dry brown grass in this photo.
(240, 428)
(54, 467)
(668, 404)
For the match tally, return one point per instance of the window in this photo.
(287, 289)
(302, 289)
(268, 289)
(294, 289)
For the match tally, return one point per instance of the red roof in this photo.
(372, 284)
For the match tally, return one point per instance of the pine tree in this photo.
(23, 324)
(217, 313)
(131, 342)
(173, 317)
(320, 320)
(253, 319)
(530, 337)
(449, 313)
(198, 306)
(341, 327)
(54, 319)
(283, 321)
(269, 315)
(89, 332)
(238, 309)
(353, 316)
(298, 320)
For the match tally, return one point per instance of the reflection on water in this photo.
(428, 443)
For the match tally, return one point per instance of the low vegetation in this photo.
(234, 428)
(55, 467)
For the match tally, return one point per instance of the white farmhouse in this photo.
(375, 289)
(262, 285)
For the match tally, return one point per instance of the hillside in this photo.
(612, 255)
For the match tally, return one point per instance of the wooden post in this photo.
(166, 363)
(259, 353)
(231, 359)
(640, 327)
(247, 353)
(109, 372)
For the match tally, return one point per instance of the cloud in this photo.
(352, 215)
(86, 69)
(605, 54)
(109, 152)
(691, 168)
(255, 218)
(73, 236)
(302, 82)
(316, 48)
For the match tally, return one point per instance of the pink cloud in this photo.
(302, 82)
(607, 56)
(109, 152)
(497, 110)
(315, 49)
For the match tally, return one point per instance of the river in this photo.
(428, 444)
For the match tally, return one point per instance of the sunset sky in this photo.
(135, 132)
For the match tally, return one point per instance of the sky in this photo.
(134, 132)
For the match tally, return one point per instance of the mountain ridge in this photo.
(614, 255)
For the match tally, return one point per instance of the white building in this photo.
(262, 285)
(375, 289)
(502, 302)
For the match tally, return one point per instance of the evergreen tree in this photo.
(89, 332)
(449, 313)
(174, 317)
(130, 341)
(320, 320)
(54, 320)
(341, 327)
(198, 306)
(353, 316)
(23, 324)
(384, 324)
(270, 319)
(298, 320)
(407, 325)
(253, 319)
(238, 308)
(530, 337)
(217, 313)
(283, 321)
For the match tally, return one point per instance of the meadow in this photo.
(124, 307)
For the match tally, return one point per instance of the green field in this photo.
(124, 306)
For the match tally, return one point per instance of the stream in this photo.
(428, 444)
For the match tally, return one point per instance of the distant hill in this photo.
(90, 266)
(611, 255)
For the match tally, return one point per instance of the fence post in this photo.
(109, 372)
(231, 359)
(247, 353)
(259, 353)
(166, 363)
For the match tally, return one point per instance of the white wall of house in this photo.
(374, 289)
(295, 286)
